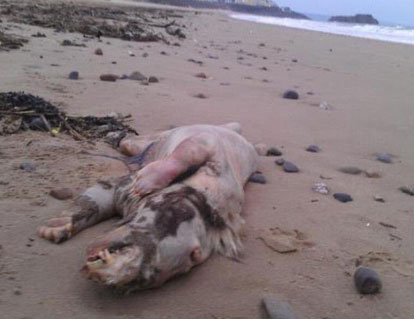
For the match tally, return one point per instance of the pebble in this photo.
(109, 77)
(295, 61)
(153, 79)
(289, 167)
(201, 75)
(257, 178)
(74, 75)
(137, 76)
(201, 96)
(61, 193)
(384, 157)
(367, 281)
(98, 51)
(352, 170)
(37, 124)
(379, 198)
(291, 95)
(372, 174)
(145, 55)
(28, 167)
(261, 149)
(280, 161)
(407, 190)
(313, 148)
(343, 197)
(321, 188)
(273, 151)
(276, 309)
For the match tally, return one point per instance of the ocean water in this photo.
(395, 33)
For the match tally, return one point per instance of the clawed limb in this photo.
(192, 152)
(57, 229)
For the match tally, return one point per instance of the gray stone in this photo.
(407, 190)
(367, 281)
(273, 151)
(352, 170)
(289, 167)
(98, 51)
(313, 148)
(109, 77)
(343, 197)
(28, 167)
(257, 178)
(137, 76)
(276, 309)
(384, 157)
(74, 75)
(291, 95)
(153, 79)
(280, 161)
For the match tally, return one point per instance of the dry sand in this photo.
(367, 83)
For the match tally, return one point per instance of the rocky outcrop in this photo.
(264, 10)
(358, 18)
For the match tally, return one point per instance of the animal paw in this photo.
(56, 230)
(152, 177)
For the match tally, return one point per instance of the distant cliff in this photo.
(265, 10)
(358, 18)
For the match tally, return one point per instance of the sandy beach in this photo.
(355, 100)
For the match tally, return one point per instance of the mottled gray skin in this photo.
(183, 205)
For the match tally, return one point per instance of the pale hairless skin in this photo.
(183, 205)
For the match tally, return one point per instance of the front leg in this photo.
(192, 152)
(92, 207)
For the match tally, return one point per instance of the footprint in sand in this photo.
(377, 259)
(285, 241)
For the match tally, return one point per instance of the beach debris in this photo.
(313, 148)
(384, 158)
(409, 190)
(196, 61)
(277, 309)
(27, 107)
(98, 51)
(291, 95)
(108, 77)
(67, 43)
(387, 225)
(352, 170)
(280, 161)
(153, 79)
(325, 106)
(343, 197)
(258, 178)
(379, 198)
(261, 149)
(273, 151)
(367, 281)
(201, 96)
(61, 193)
(290, 167)
(284, 241)
(74, 75)
(39, 35)
(27, 166)
(11, 42)
(10, 124)
(372, 174)
(134, 24)
(201, 75)
(137, 76)
(320, 188)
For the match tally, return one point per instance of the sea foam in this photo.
(397, 34)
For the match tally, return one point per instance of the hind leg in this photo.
(135, 145)
(93, 206)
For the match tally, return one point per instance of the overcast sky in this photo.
(397, 11)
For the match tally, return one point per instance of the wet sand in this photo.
(368, 86)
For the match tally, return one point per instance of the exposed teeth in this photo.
(95, 264)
